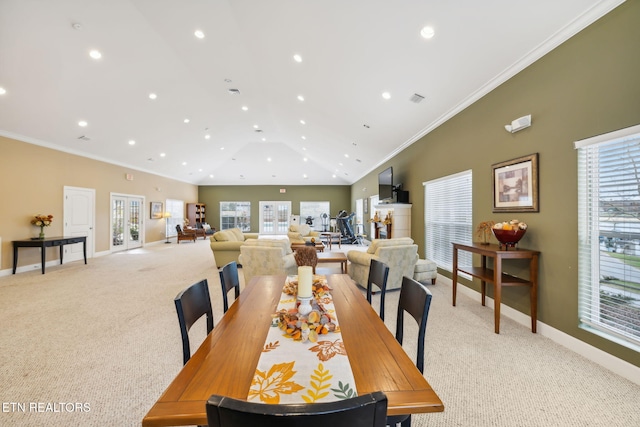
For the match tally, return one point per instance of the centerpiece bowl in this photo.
(509, 238)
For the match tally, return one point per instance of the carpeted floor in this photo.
(96, 344)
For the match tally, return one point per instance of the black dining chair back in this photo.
(191, 304)
(369, 410)
(378, 275)
(229, 279)
(415, 299)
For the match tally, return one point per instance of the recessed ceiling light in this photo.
(303, 137)
(256, 126)
(268, 159)
(333, 176)
(221, 148)
(264, 139)
(199, 34)
(2, 91)
(300, 98)
(184, 163)
(199, 170)
(152, 96)
(346, 155)
(304, 159)
(95, 54)
(211, 176)
(187, 120)
(386, 95)
(297, 58)
(427, 32)
(304, 148)
(163, 154)
(303, 122)
(245, 108)
(305, 176)
(132, 142)
(207, 136)
(82, 123)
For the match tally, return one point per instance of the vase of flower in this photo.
(42, 221)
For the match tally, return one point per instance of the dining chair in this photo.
(415, 299)
(229, 279)
(368, 410)
(191, 304)
(306, 255)
(378, 275)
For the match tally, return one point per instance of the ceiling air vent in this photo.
(84, 138)
(234, 91)
(258, 130)
(416, 98)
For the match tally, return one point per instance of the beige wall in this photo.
(587, 86)
(32, 182)
(337, 195)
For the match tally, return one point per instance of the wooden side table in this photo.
(497, 277)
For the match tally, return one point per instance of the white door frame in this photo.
(79, 223)
(127, 243)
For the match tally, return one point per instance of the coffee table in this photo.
(319, 246)
(340, 257)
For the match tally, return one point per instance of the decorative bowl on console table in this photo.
(509, 233)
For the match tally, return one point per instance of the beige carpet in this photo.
(105, 336)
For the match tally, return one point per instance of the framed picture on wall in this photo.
(156, 210)
(515, 185)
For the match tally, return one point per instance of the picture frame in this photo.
(156, 210)
(515, 185)
(366, 205)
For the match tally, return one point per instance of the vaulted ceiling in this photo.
(233, 106)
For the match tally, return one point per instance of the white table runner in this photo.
(291, 371)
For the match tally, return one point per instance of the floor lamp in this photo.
(166, 217)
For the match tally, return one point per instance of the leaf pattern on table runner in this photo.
(327, 349)
(344, 391)
(318, 379)
(290, 300)
(271, 346)
(272, 384)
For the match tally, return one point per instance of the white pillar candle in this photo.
(305, 279)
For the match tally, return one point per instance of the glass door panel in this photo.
(274, 217)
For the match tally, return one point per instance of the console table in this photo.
(497, 277)
(45, 243)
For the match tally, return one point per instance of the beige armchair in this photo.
(261, 257)
(399, 254)
(225, 245)
(302, 233)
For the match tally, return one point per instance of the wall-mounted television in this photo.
(385, 185)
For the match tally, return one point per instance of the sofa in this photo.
(225, 245)
(261, 257)
(301, 233)
(400, 254)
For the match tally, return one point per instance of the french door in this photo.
(127, 227)
(274, 217)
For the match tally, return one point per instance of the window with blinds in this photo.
(609, 235)
(447, 207)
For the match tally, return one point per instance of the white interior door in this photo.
(274, 217)
(127, 226)
(79, 214)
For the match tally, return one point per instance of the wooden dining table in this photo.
(226, 361)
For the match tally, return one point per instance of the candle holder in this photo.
(304, 307)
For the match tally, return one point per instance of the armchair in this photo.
(399, 254)
(225, 245)
(267, 257)
(301, 233)
(185, 235)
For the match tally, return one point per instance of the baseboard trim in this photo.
(602, 358)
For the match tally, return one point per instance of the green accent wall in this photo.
(587, 86)
(339, 197)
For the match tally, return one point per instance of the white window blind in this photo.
(448, 218)
(609, 236)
